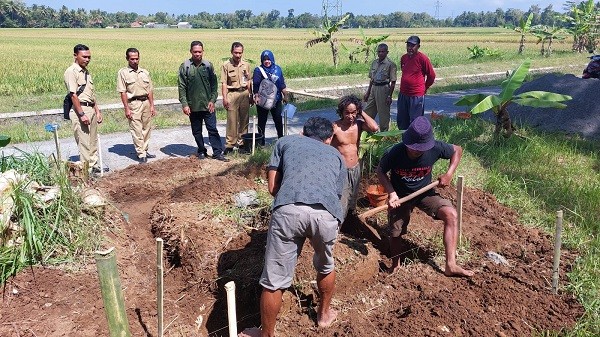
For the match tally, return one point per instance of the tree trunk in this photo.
(333, 53)
(503, 123)
(522, 44)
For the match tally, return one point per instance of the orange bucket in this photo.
(376, 195)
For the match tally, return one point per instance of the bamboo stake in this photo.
(58, 156)
(557, 244)
(100, 156)
(159, 285)
(253, 133)
(231, 314)
(459, 206)
(285, 132)
(112, 294)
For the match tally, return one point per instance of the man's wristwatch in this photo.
(80, 114)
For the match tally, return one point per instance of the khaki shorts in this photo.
(290, 226)
(399, 217)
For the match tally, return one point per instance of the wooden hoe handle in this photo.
(416, 193)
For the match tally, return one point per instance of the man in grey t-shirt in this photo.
(306, 176)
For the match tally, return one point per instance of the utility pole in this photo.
(438, 4)
(332, 9)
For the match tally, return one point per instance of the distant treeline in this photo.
(16, 14)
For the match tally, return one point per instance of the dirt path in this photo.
(188, 203)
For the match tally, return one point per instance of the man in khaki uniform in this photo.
(383, 75)
(135, 87)
(85, 114)
(236, 89)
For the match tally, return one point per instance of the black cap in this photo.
(414, 40)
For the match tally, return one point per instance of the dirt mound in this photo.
(582, 115)
(208, 242)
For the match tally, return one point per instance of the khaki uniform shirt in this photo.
(75, 77)
(236, 77)
(134, 83)
(384, 71)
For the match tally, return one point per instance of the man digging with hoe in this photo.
(409, 165)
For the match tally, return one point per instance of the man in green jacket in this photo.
(198, 94)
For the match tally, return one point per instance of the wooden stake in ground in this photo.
(100, 156)
(231, 314)
(253, 133)
(557, 244)
(459, 204)
(112, 294)
(159, 285)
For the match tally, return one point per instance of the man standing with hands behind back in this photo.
(85, 114)
(135, 88)
(383, 75)
(197, 84)
(236, 89)
(417, 76)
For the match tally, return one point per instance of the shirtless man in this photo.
(346, 139)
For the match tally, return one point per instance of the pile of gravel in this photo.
(582, 115)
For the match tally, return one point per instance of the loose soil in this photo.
(209, 242)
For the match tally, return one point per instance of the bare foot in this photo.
(458, 271)
(250, 332)
(327, 319)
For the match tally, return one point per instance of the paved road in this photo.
(118, 151)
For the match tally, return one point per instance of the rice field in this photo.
(34, 59)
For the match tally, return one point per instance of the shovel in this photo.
(362, 217)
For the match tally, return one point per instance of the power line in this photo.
(332, 8)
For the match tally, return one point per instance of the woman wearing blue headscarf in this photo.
(275, 74)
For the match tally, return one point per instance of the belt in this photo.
(88, 103)
(380, 84)
(138, 98)
(237, 89)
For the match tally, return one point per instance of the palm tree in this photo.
(326, 35)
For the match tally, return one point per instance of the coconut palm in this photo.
(499, 103)
(326, 35)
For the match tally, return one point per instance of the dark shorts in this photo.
(398, 218)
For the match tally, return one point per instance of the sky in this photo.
(447, 8)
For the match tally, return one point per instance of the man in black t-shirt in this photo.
(409, 165)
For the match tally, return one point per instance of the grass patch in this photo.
(41, 232)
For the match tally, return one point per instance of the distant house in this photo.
(136, 24)
(156, 25)
(184, 25)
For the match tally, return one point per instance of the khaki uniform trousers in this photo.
(86, 136)
(237, 117)
(377, 104)
(140, 125)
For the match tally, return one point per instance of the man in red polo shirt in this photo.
(417, 76)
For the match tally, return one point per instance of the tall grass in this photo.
(43, 233)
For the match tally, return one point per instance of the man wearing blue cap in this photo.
(417, 76)
(410, 165)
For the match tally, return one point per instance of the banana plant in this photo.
(499, 103)
(374, 145)
(327, 35)
(524, 28)
(366, 44)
